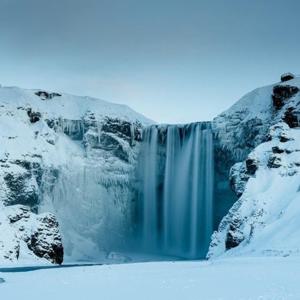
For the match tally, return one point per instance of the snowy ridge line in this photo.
(66, 105)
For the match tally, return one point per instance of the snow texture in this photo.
(268, 278)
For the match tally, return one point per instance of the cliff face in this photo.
(65, 160)
(67, 185)
(260, 135)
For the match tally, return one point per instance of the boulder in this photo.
(234, 236)
(274, 161)
(277, 150)
(287, 76)
(251, 165)
(33, 116)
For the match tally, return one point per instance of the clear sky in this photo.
(172, 60)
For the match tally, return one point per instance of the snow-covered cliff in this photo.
(67, 174)
(245, 124)
(72, 157)
(262, 132)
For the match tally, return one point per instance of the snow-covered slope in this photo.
(265, 219)
(55, 105)
(71, 156)
(245, 124)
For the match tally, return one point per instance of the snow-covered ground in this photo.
(264, 278)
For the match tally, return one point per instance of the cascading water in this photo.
(176, 196)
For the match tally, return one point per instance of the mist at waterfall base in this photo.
(175, 203)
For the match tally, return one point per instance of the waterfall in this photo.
(175, 210)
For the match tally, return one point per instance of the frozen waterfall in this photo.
(175, 206)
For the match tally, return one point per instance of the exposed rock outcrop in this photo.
(46, 95)
(281, 93)
(40, 233)
(287, 76)
(33, 116)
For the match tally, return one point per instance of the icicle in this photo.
(132, 130)
(99, 131)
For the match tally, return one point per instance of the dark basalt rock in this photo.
(117, 127)
(23, 187)
(283, 139)
(51, 123)
(40, 244)
(287, 77)
(33, 116)
(39, 232)
(47, 96)
(123, 129)
(233, 236)
(274, 161)
(23, 163)
(251, 166)
(231, 242)
(277, 150)
(20, 190)
(281, 93)
(291, 117)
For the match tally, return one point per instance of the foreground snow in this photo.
(236, 278)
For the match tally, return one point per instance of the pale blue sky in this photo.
(174, 61)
